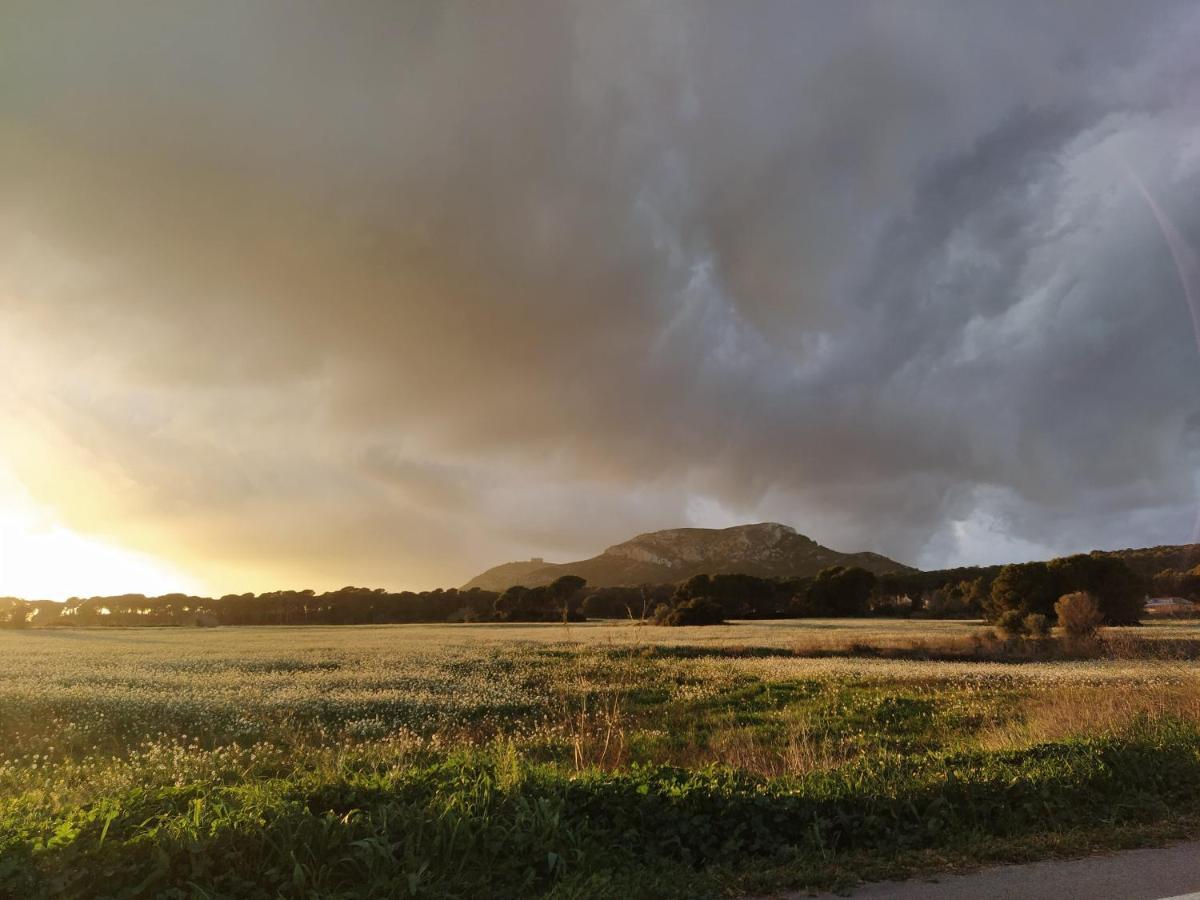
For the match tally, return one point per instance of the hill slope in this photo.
(659, 557)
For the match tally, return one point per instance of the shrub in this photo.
(1011, 623)
(1079, 614)
(699, 611)
(1037, 625)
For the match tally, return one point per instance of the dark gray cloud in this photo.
(389, 292)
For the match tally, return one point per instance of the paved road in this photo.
(1172, 872)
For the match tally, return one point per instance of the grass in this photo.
(584, 761)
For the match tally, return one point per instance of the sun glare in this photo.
(40, 558)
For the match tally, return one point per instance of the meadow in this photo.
(582, 760)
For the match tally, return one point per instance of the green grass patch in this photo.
(484, 825)
(383, 762)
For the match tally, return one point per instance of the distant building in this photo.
(538, 560)
(1169, 606)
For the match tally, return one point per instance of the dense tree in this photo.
(558, 601)
(939, 593)
(1024, 587)
(696, 586)
(565, 594)
(1035, 587)
(1146, 562)
(515, 601)
(739, 596)
(1119, 593)
(624, 602)
(13, 613)
(695, 611)
(1176, 583)
(838, 591)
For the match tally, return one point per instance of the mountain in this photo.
(662, 557)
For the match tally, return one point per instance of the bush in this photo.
(699, 611)
(1037, 625)
(1011, 623)
(1079, 614)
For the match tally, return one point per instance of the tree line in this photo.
(346, 606)
(1118, 583)
(989, 592)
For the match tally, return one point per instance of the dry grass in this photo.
(801, 751)
(577, 695)
(1083, 710)
(99, 719)
(597, 732)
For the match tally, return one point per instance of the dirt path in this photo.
(1170, 872)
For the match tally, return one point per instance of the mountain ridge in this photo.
(766, 549)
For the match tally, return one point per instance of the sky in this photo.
(310, 294)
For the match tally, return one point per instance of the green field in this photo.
(587, 760)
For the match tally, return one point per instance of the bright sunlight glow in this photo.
(42, 559)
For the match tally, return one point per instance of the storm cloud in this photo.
(315, 294)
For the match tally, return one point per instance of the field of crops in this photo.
(567, 761)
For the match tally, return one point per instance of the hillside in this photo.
(658, 557)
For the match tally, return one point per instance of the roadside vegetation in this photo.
(576, 760)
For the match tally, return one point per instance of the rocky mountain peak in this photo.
(767, 549)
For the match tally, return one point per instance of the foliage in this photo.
(469, 827)
(1118, 581)
(1079, 614)
(345, 606)
(1024, 588)
(1176, 583)
(556, 602)
(1148, 561)
(1036, 625)
(739, 596)
(941, 592)
(838, 591)
(1117, 590)
(1034, 587)
(1011, 622)
(397, 762)
(697, 611)
(624, 602)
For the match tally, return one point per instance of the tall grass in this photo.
(472, 826)
(569, 763)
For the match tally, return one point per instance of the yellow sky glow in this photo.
(40, 558)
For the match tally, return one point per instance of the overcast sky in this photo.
(301, 295)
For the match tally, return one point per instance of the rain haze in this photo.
(305, 295)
